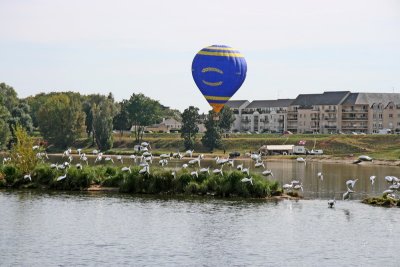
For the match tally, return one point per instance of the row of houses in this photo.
(329, 112)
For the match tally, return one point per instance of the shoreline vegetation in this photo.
(159, 181)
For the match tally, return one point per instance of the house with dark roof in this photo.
(237, 106)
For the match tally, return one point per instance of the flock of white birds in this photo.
(145, 161)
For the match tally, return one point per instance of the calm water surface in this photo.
(72, 229)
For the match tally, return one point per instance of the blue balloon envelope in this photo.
(218, 72)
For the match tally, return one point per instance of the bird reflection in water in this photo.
(347, 214)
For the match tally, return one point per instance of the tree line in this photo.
(63, 117)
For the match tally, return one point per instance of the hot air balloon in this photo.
(218, 72)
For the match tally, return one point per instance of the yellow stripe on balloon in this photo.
(212, 84)
(220, 48)
(209, 97)
(219, 54)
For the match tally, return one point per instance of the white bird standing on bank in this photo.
(119, 158)
(163, 162)
(194, 173)
(145, 170)
(189, 152)
(246, 170)
(239, 167)
(184, 166)
(218, 171)
(28, 176)
(320, 175)
(259, 164)
(109, 159)
(79, 166)
(362, 158)
(205, 170)
(126, 169)
(246, 180)
(165, 156)
(133, 157)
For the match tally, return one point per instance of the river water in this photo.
(95, 229)
(92, 229)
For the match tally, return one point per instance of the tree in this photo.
(8, 97)
(226, 118)
(103, 124)
(190, 118)
(61, 119)
(4, 127)
(143, 111)
(121, 120)
(22, 154)
(212, 137)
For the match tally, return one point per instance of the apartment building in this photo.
(329, 112)
(260, 115)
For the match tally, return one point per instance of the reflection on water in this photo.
(334, 180)
(69, 229)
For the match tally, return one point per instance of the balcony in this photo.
(330, 110)
(330, 118)
(354, 127)
(314, 118)
(354, 119)
(245, 120)
(355, 110)
(330, 127)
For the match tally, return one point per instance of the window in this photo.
(390, 115)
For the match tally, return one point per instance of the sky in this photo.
(126, 47)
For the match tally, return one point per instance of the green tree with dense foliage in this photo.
(226, 118)
(22, 154)
(212, 137)
(4, 126)
(121, 120)
(143, 111)
(8, 96)
(103, 114)
(61, 119)
(190, 119)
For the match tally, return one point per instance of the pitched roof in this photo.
(327, 98)
(235, 103)
(270, 103)
(372, 98)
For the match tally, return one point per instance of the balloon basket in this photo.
(215, 117)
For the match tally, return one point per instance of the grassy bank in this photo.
(382, 201)
(160, 181)
(383, 147)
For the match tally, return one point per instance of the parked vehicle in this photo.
(299, 150)
(316, 152)
(234, 154)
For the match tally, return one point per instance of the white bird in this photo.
(218, 171)
(109, 159)
(222, 161)
(246, 170)
(145, 144)
(61, 177)
(165, 156)
(320, 175)
(362, 158)
(259, 164)
(295, 182)
(298, 187)
(245, 180)
(70, 158)
(53, 166)
(5, 160)
(189, 152)
(28, 176)
(372, 179)
(79, 166)
(194, 161)
(149, 159)
(147, 154)
(35, 147)
(98, 158)
(231, 163)
(126, 169)
(386, 192)
(194, 173)
(163, 162)
(267, 173)
(287, 187)
(346, 195)
(351, 183)
(85, 159)
(177, 155)
(143, 164)
(255, 157)
(66, 164)
(331, 203)
(239, 167)
(174, 174)
(119, 158)
(133, 157)
(145, 170)
(79, 150)
(95, 152)
(184, 166)
(395, 187)
(303, 160)
(205, 170)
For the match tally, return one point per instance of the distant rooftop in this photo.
(372, 98)
(235, 103)
(270, 103)
(327, 98)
